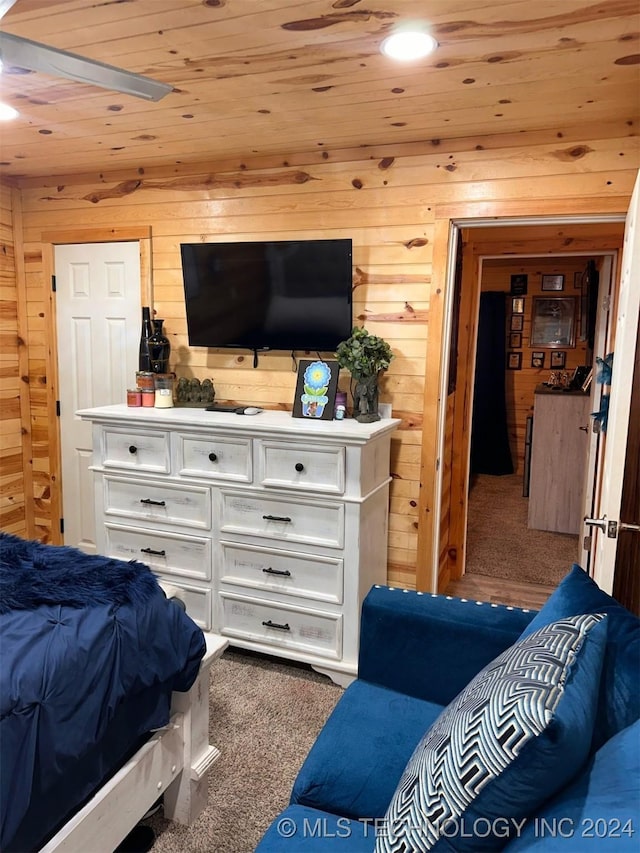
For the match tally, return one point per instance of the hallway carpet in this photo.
(499, 543)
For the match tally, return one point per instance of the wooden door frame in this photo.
(50, 239)
(449, 220)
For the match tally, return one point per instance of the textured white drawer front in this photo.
(139, 450)
(186, 556)
(189, 506)
(280, 571)
(305, 467)
(215, 457)
(197, 601)
(287, 520)
(280, 625)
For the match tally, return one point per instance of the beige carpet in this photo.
(265, 716)
(499, 543)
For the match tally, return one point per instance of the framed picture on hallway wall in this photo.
(519, 284)
(553, 282)
(514, 361)
(553, 322)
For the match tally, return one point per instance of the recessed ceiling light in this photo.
(7, 112)
(407, 45)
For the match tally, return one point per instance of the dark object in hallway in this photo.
(490, 451)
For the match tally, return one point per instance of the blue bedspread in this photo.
(80, 683)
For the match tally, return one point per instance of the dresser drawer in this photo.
(197, 601)
(287, 520)
(281, 625)
(188, 506)
(304, 467)
(139, 450)
(186, 556)
(214, 457)
(285, 572)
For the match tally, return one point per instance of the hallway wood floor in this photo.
(500, 591)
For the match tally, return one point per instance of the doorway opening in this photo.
(489, 527)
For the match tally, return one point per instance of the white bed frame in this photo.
(175, 761)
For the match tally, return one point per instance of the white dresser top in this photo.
(267, 422)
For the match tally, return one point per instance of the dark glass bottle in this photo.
(159, 348)
(144, 354)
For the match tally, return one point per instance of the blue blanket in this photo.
(91, 650)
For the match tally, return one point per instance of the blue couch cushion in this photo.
(599, 810)
(358, 758)
(619, 699)
(299, 829)
(431, 646)
(517, 733)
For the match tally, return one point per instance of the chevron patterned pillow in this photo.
(517, 733)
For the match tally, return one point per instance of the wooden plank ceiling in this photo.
(269, 78)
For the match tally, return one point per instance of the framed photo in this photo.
(553, 282)
(558, 359)
(537, 358)
(579, 376)
(316, 389)
(514, 361)
(517, 322)
(577, 279)
(515, 340)
(517, 305)
(518, 285)
(587, 381)
(553, 322)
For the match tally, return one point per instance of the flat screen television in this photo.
(284, 295)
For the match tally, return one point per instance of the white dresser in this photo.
(558, 460)
(274, 527)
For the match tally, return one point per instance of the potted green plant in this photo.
(365, 356)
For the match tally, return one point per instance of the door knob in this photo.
(609, 527)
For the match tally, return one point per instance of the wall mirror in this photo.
(553, 322)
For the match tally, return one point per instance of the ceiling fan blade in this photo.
(24, 53)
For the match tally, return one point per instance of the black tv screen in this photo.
(285, 295)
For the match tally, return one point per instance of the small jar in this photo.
(148, 397)
(134, 397)
(163, 391)
(144, 379)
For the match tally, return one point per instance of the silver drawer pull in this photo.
(149, 502)
(285, 574)
(155, 553)
(270, 624)
(277, 518)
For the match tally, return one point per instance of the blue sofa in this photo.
(571, 785)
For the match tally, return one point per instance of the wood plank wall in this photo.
(389, 200)
(12, 479)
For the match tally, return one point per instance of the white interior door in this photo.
(603, 331)
(98, 329)
(615, 445)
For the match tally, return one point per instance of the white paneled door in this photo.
(98, 329)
